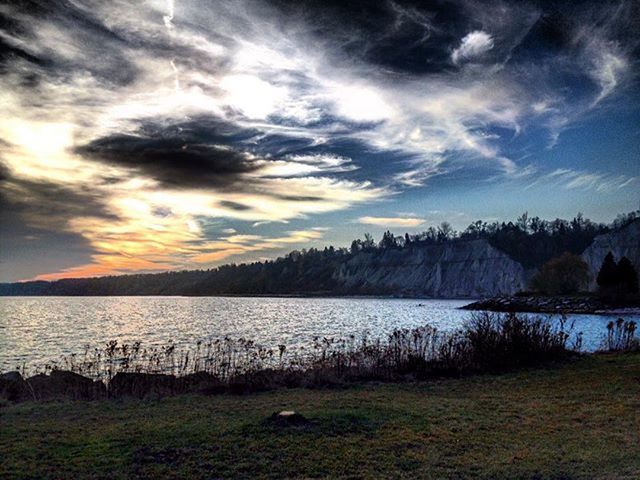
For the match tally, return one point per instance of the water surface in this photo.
(36, 330)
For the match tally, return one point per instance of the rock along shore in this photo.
(586, 304)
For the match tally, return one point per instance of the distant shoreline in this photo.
(255, 295)
(576, 304)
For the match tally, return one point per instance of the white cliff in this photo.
(460, 269)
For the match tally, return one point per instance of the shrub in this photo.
(510, 341)
(562, 275)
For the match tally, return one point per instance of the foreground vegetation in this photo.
(579, 420)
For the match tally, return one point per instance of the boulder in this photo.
(140, 385)
(257, 381)
(289, 418)
(65, 384)
(77, 386)
(201, 382)
(13, 387)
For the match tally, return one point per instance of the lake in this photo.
(36, 330)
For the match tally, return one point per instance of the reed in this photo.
(489, 342)
(621, 336)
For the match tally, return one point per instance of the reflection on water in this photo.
(39, 329)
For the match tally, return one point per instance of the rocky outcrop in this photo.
(454, 270)
(623, 242)
(585, 303)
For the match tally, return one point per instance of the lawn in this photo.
(578, 420)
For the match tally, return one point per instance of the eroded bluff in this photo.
(460, 269)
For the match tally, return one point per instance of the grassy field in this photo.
(580, 420)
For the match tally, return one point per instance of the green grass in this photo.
(579, 420)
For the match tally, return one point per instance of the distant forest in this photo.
(529, 240)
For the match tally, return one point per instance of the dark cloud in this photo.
(551, 35)
(44, 205)
(239, 207)
(198, 153)
(48, 205)
(204, 152)
(26, 251)
(418, 37)
(34, 220)
(301, 198)
(412, 36)
(101, 53)
(4, 172)
(561, 29)
(402, 36)
(10, 52)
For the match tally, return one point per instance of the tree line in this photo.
(531, 241)
(528, 240)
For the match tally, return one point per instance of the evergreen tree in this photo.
(608, 274)
(627, 276)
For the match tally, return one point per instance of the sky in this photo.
(183, 134)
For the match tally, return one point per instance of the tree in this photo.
(445, 232)
(578, 222)
(431, 234)
(356, 246)
(563, 275)
(368, 243)
(608, 274)
(536, 225)
(627, 276)
(388, 240)
(523, 222)
(475, 229)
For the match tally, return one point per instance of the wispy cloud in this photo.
(582, 180)
(472, 46)
(391, 221)
(242, 244)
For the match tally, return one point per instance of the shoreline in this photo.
(267, 295)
